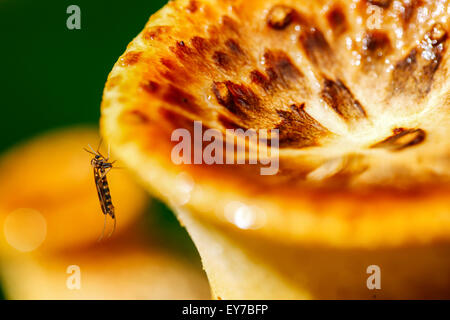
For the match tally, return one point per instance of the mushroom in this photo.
(362, 130)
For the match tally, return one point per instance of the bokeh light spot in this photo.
(25, 229)
(243, 216)
(183, 187)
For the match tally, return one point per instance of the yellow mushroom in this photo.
(124, 269)
(362, 111)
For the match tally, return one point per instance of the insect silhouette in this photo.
(101, 167)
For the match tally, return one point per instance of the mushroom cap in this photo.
(357, 90)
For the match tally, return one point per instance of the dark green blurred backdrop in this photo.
(52, 76)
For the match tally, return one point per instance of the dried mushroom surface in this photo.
(357, 89)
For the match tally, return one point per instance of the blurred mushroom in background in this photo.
(50, 221)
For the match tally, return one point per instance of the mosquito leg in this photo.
(114, 228)
(105, 173)
(103, 232)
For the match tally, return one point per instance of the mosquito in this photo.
(101, 167)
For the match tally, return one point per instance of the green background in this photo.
(53, 77)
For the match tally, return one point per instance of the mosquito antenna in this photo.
(88, 151)
(100, 144)
(103, 231)
(98, 150)
(96, 153)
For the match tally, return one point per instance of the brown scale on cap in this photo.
(156, 33)
(316, 47)
(221, 59)
(174, 120)
(130, 59)
(136, 117)
(234, 47)
(409, 9)
(413, 75)
(337, 20)
(192, 6)
(173, 72)
(280, 17)
(340, 98)
(401, 139)
(298, 129)
(190, 59)
(228, 24)
(245, 105)
(237, 98)
(150, 86)
(178, 97)
(172, 95)
(233, 56)
(381, 3)
(280, 69)
(223, 94)
(182, 50)
(260, 79)
(202, 45)
(376, 44)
